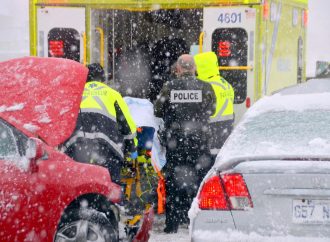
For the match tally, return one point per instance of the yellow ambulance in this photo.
(260, 44)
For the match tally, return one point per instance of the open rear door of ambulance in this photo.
(61, 32)
(230, 33)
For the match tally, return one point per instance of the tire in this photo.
(85, 225)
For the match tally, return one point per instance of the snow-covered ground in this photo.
(230, 236)
(157, 234)
(181, 236)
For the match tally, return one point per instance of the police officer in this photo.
(185, 104)
(221, 122)
(105, 131)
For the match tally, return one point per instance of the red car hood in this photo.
(41, 96)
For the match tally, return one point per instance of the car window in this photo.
(282, 133)
(8, 146)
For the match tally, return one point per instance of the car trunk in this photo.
(289, 197)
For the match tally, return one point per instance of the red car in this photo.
(44, 195)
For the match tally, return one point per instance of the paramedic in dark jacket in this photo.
(185, 104)
(105, 131)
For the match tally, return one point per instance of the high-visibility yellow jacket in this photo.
(221, 122)
(98, 98)
(208, 71)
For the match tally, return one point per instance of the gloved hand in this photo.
(130, 156)
(134, 155)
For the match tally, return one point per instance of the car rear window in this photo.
(282, 133)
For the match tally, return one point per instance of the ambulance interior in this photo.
(137, 49)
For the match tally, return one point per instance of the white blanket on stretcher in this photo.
(142, 112)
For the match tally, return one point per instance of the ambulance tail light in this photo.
(248, 102)
(56, 48)
(266, 10)
(228, 192)
(305, 18)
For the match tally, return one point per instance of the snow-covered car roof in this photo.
(292, 123)
(311, 86)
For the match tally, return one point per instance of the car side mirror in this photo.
(34, 152)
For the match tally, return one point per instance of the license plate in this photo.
(307, 211)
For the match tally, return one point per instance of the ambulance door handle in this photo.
(85, 48)
(101, 32)
(201, 41)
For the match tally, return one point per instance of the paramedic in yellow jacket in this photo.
(105, 132)
(221, 122)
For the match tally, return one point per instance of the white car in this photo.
(272, 176)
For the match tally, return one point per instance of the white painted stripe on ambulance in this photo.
(272, 48)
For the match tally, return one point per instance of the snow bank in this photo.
(252, 237)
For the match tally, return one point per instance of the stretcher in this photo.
(144, 189)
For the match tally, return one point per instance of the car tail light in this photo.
(237, 192)
(212, 195)
(225, 193)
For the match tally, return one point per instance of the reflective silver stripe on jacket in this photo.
(130, 136)
(220, 85)
(219, 117)
(98, 100)
(81, 134)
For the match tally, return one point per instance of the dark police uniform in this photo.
(185, 104)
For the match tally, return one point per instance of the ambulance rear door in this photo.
(230, 33)
(61, 32)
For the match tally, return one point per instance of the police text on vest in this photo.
(186, 96)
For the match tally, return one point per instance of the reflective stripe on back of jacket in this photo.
(99, 98)
(225, 101)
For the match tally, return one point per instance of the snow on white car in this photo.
(272, 177)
